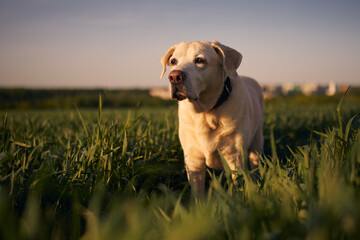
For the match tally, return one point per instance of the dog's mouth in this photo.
(178, 92)
(179, 96)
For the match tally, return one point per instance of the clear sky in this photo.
(115, 43)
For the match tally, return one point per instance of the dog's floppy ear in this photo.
(165, 59)
(231, 58)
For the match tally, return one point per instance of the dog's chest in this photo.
(211, 130)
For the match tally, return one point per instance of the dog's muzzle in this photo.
(178, 91)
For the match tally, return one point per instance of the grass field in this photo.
(119, 174)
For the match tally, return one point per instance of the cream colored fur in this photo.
(234, 128)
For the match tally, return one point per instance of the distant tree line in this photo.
(82, 98)
(89, 98)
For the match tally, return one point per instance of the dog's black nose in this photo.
(176, 77)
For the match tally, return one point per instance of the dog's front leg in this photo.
(196, 169)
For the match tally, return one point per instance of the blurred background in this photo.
(288, 46)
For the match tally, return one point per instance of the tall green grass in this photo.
(111, 174)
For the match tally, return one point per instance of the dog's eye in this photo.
(173, 61)
(199, 60)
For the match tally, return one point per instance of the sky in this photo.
(118, 44)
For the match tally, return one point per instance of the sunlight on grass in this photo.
(120, 175)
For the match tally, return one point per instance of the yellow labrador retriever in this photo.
(218, 110)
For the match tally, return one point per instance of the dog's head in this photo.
(197, 67)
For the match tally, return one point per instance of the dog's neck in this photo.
(225, 93)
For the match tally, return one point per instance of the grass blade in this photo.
(338, 110)
(82, 121)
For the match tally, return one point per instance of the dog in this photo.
(218, 110)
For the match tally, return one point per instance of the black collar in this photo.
(225, 93)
